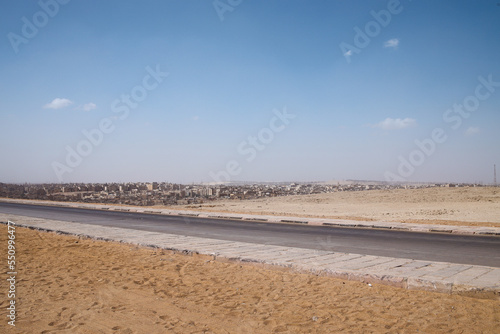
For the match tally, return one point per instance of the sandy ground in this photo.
(71, 285)
(471, 206)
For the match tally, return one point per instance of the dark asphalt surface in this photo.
(477, 250)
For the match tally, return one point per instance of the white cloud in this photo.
(58, 103)
(392, 43)
(471, 131)
(395, 123)
(348, 53)
(89, 106)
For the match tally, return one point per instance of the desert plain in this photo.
(68, 284)
(466, 206)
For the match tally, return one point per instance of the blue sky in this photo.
(235, 68)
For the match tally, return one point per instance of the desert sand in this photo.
(72, 285)
(469, 206)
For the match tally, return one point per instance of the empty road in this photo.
(476, 250)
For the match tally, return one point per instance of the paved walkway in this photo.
(404, 273)
(280, 219)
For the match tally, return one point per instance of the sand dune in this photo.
(71, 285)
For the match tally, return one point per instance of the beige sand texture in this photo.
(468, 206)
(71, 285)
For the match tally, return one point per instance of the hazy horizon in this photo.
(259, 91)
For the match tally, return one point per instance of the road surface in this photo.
(475, 250)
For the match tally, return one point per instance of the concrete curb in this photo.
(409, 227)
(403, 273)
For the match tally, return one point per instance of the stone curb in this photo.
(403, 273)
(345, 223)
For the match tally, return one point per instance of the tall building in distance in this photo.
(495, 175)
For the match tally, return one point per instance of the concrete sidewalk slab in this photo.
(404, 273)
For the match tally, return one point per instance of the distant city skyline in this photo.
(174, 194)
(207, 91)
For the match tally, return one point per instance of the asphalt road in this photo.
(476, 250)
